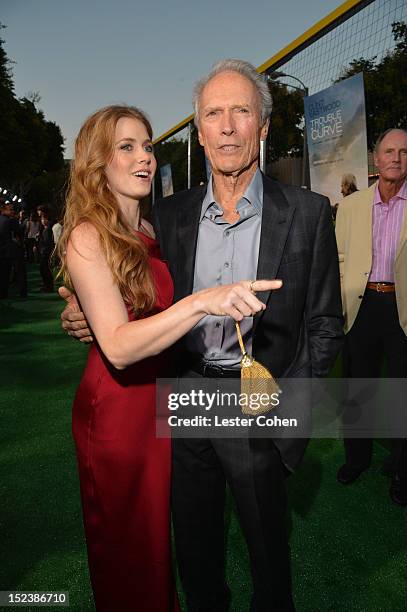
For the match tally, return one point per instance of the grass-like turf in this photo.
(349, 544)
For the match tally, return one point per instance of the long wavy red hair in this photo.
(90, 199)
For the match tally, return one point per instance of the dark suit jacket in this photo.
(300, 332)
(6, 234)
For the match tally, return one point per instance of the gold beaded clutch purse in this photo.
(255, 379)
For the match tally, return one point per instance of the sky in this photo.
(81, 55)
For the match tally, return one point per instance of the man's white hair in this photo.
(384, 134)
(349, 179)
(245, 69)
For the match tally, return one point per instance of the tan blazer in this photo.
(354, 238)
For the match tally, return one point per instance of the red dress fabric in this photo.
(124, 473)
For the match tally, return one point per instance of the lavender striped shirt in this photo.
(387, 223)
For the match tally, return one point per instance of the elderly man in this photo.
(371, 230)
(244, 225)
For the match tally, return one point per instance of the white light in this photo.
(14, 198)
(19, 200)
(5, 191)
(7, 202)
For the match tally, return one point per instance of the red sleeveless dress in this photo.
(124, 473)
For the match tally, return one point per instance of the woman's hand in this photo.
(237, 300)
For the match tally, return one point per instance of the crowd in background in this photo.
(26, 237)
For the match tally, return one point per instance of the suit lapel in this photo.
(364, 233)
(187, 235)
(275, 226)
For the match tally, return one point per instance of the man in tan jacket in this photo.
(371, 232)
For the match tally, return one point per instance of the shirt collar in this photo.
(253, 195)
(402, 193)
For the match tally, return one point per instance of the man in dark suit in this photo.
(244, 225)
(7, 235)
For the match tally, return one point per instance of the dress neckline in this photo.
(146, 235)
(143, 233)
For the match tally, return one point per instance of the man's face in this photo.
(391, 157)
(229, 123)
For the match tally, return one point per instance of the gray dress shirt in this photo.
(226, 253)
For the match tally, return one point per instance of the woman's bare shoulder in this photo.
(85, 238)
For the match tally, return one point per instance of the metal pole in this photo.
(305, 92)
(304, 160)
(189, 154)
(153, 191)
(304, 178)
(263, 156)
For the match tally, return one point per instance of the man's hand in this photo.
(73, 320)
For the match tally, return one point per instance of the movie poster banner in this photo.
(166, 180)
(336, 133)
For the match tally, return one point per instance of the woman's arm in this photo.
(125, 342)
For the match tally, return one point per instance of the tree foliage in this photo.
(385, 85)
(175, 152)
(285, 137)
(31, 148)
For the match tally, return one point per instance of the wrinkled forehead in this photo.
(229, 89)
(396, 139)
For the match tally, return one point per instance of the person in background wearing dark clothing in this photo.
(6, 247)
(19, 272)
(22, 217)
(46, 246)
(23, 224)
(33, 230)
(43, 209)
(22, 220)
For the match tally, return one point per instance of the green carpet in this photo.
(349, 544)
